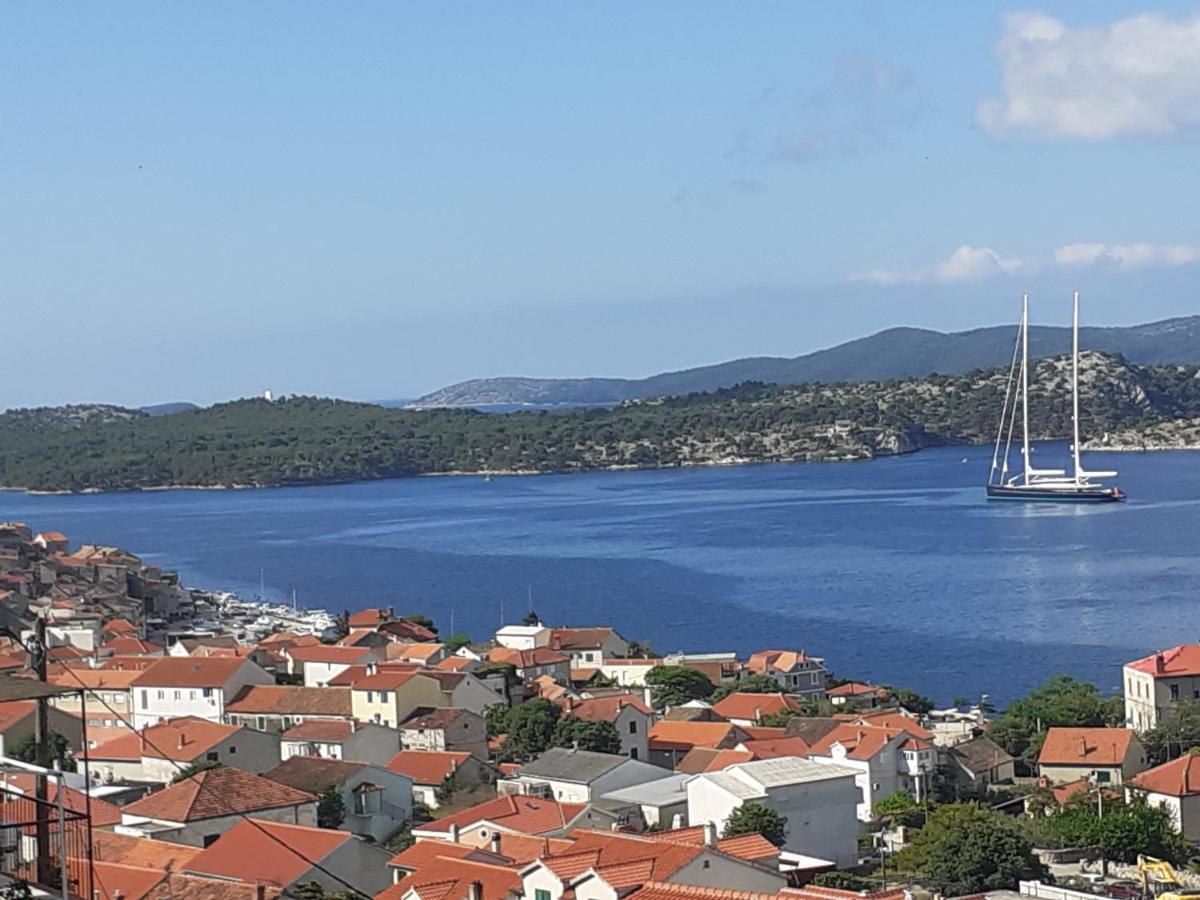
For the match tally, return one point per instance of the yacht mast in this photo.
(1025, 386)
(1075, 387)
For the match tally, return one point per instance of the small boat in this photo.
(1032, 483)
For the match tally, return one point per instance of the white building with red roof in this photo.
(1176, 787)
(1155, 685)
(191, 686)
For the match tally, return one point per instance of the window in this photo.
(145, 698)
(162, 695)
(633, 753)
(211, 756)
(233, 750)
(383, 697)
(191, 695)
(633, 727)
(541, 894)
(1103, 777)
(206, 692)
(370, 696)
(178, 694)
(367, 800)
(1174, 692)
(262, 723)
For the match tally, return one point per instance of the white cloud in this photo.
(964, 264)
(1127, 256)
(1139, 75)
(969, 263)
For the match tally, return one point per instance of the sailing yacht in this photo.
(1031, 483)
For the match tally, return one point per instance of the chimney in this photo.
(1160, 664)
(453, 833)
(710, 834)
(757, 714)
(372, 668)
(353, 725)
(475, 891)
(496, 843)
(1083, 747)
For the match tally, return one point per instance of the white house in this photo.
(819, 801)
(523, 637)
(378, 801)
(886, 760)
(1175, 786)
(348, 740)
(1157, 684)
(321, 663)
(173, 687)
(578, 776)
(588, 647)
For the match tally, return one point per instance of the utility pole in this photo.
(45, 867)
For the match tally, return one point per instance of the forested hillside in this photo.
(308, 440)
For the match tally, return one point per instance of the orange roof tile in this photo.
(1085, 746)
(1181, 660)
(328, 731)
(190, 671)
(131, 645)
(767, 661)
(331, 653)
(860, 741)
(183, 739)
(291, 700)
(108, 846)
(223, 791)
(528, 815)
(605, 709)
(705, 759)
(450, 877)
(773, 749)
(755, 706)
(1178, 778)
(427, 766)
(258, 851)
(750, 847)
(680, 735)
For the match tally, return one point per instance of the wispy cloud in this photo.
(1126, 256)
(1135, 76)
(969, 263)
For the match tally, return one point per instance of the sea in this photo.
(895, 570)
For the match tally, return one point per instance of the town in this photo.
(158, 741)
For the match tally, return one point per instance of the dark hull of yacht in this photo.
(1056, 494)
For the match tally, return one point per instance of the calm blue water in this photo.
(895, 570)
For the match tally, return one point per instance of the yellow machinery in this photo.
(1161, 881)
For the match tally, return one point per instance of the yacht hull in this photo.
(1056, 494)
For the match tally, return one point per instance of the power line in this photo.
(201, 786)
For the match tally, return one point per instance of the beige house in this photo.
(1103, 755)
(1156, 685)
(388, 697)
(106, 697)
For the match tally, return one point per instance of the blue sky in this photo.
(201, 201)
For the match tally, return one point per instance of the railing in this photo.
(45, 843)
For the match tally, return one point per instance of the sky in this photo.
(203, 201)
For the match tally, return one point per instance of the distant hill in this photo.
(168, 409)
(894, 353)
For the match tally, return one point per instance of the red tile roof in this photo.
(182, 740)
(450, 878)
(852, 689)
(119, 626)
(223, 791)
(605, 709)
(103, 813)
(369, 617)
(679, 735)
(767, 661)
(131, 645)
(427, 766)
(860, 741)
(579, 638)
(1085, 746)
(751, 847)
(528, 659)
(755, 706)
(1179, 778)
(262, 852)
(328, 731)
(13, 712)
(190, 671)
(1175, 662)
(291, 700)
(705, 759)
(331, 653)
(892, 719)
(383, 680)
(773, 749)
(528, 815)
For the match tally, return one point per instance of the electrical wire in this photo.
(201, 786)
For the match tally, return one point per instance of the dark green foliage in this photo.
(331, 809)
(1124, 830)
(641, 650)
(287, 678)
(530, 729)
(777, 719)
(420, 619)
(897, 803)
(754, 818)
(1174, 736)
(965, 849)
(400, 841)
(456, 642)
(1063, 702)
(200, 765)
(531, 618)
(844, 881)
(60, 749)
(496, 718)
(303, 440)
(341, 625)
(910, 700)
(674, 685)
(602, 737)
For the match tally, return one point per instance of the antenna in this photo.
(452, 620)
(531, 598)
(502, 610)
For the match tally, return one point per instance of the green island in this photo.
(307, 440)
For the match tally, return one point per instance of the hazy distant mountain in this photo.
(167, 409)
(894, 353)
